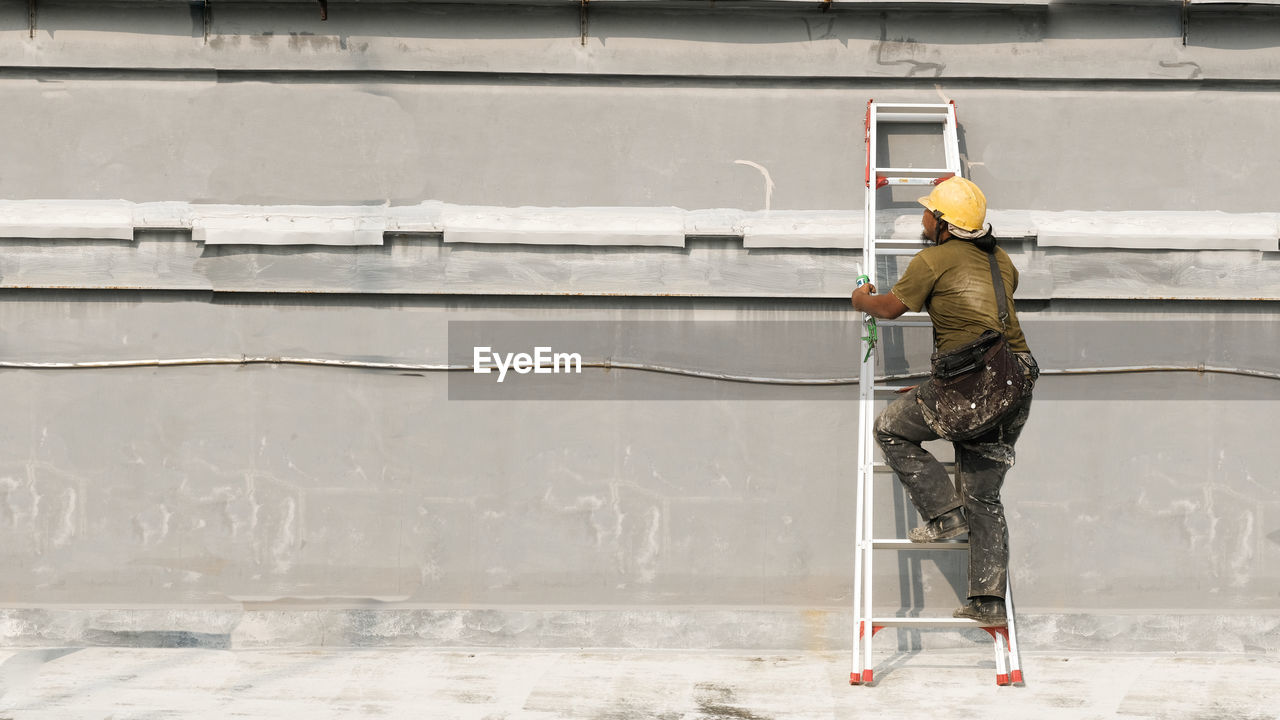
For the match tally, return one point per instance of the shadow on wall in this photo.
(1237, 29)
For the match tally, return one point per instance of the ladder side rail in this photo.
(859, 622)
(951, 140)
(1002, 670)
(867, 398)
(1015, 658)
(861, 626)
(868, 420)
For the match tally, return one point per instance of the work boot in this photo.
(947, 525)
(988, 610)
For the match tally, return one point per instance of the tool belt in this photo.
(974, 386)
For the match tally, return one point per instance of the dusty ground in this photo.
(122, 683)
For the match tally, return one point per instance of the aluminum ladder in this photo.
(1004, 639)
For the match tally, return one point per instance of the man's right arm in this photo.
(915, 285)
(885, 307)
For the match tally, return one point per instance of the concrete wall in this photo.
(266, 504)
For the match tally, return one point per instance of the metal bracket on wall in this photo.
(208, 19)
(324, 9)
(31, 18)
(582, 20)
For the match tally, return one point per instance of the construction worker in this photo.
(953, 279)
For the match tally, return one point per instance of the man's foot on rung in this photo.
(988, 610)
(948, 525)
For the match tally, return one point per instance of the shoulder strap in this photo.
(997, 284)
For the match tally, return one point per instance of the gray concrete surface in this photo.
(505, 106)
(91, 684)
(209, 486)
(495, 141)
(167, 506)
(705, 267)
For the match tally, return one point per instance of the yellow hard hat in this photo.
(959, 201)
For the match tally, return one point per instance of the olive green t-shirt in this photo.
(954, 281)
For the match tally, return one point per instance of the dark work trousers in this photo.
(981, 464)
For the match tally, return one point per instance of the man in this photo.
(953, 280)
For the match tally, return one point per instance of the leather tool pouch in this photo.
(973, 388)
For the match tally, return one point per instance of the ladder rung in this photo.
(911, 176)
(914, 242)
(899, 544)
(922, 622)
(936, 107)
(915, 172)
(888, 181)
(904, 245)
(882, 466)
(898, 251)
(910, 117)
(889, 388)
(899, 180)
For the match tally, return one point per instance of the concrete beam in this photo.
(288, 226)
(615, 227)
(65, 219)
(969, 40)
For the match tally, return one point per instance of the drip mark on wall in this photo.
(67, 527)
(828, 29)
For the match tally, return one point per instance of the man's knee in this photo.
(883, 427)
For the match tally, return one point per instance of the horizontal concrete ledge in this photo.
(923, 40)
(289, 226)
(54, 219)
(613, 226)
(1158, 230)
(713, 628)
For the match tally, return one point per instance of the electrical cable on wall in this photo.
(604, 364)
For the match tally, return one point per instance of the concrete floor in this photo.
(120, 683)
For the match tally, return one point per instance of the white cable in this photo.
(605, 364)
